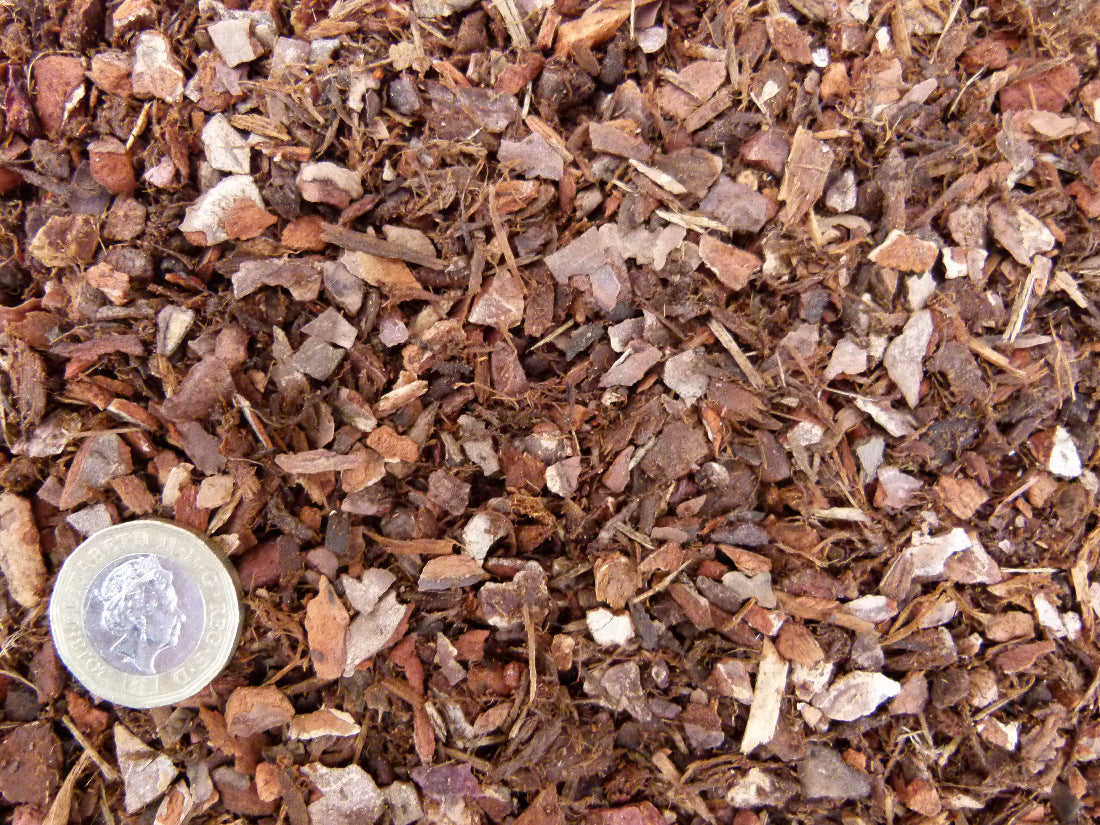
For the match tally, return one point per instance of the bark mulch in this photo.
(622, 412)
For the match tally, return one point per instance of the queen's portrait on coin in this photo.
(140, 611)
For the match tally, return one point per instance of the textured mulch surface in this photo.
(621, 413)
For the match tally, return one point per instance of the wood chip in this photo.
(767, 699)
(807, 171)
(20, 552)
(326, 628)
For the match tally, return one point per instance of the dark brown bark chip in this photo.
(739, 207)
(30, 764)
(678, 450)
(768, 150)
(206, 385)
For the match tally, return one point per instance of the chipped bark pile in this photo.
(620, 412)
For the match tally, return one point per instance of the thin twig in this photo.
(105, 768)
(362, 242)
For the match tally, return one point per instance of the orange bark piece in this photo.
(247, 219)
(595, 26)
(326, 631)
(393, 446)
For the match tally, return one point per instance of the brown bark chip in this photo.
(807, 170)
(30, 764)
(326, 628)
(252, 710)
(20, 552)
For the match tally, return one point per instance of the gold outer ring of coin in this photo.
(181, 549)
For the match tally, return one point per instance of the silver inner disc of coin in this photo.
(144, 614)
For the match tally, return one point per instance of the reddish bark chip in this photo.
(57, 83)
(246, 219)
(804, 179)
(921, 796)
(789, 40)
(304, 234)
(768, 150)
(252, 710)
(500, 305)
(111, 71)
(392, 446)
(905, 253)
(20, 551)
(1023, 657)
(30, 764)
(962, 496)
(326, 629)
(237, 793)
(1049, 91)
(83, 25)
(111, 165)
(447, 572)
(678, 450)
(734, 267)
(741, 208)
(797, 644)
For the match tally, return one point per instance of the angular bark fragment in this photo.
(767, 150)
(252, 710)
(789, 40)
(693, 84)
(326, 627)
(374, 630)
(1020, 232)
(391, 276)
(58, 81)
(111, 165)
(533, 156)
(447, 572)
(734, 267)
(204, 221)
(30, 764)
(767, 699)
(855, 695)
(905, 253)
(348, 795)
(20, 551)
(146, 774)
(246, 219)
(759, 788)
(226, 148)
(156, 71)
(825, 775)
(326, 182)
(583, 255)
(324, 722)
(741, 208)
(679, 449)
(904, 359)
(301, 278)
(807, 171)
(609, 629)
(501, 303)
(593, 27)
(631, 366)
(237, 792)
(66, 240)
(233, 41)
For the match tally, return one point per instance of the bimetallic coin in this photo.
(145, 613)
